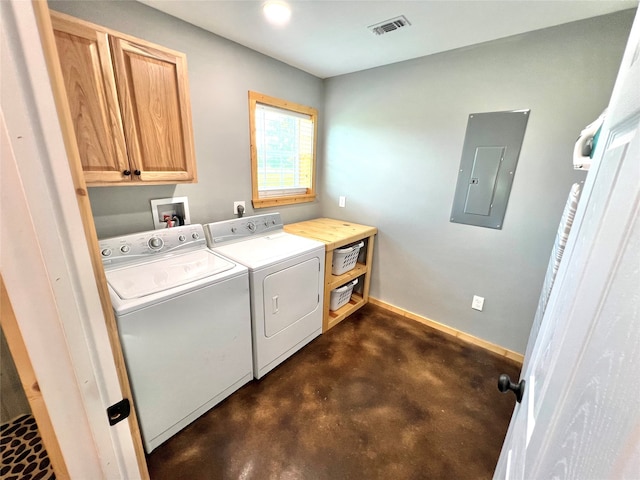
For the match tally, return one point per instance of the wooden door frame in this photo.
(43, 19)
(50, 262)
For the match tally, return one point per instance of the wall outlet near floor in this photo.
(477, 303)
(342, 201)
(235, 207)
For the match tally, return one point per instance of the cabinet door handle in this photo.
(274, 304)
(137, 172)
(127, 172)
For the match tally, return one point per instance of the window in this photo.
(283, 151)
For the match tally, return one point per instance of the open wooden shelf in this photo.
(347, 309)
(335, 234)
(336, 281)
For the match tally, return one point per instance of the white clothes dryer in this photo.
(184, 325)
(286, 283)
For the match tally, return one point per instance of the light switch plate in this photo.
(477, 303)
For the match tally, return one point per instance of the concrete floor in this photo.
(377, 397)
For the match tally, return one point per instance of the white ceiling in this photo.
(330, 37)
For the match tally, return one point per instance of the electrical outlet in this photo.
(235, 207)
(477, 303)
(342, 201)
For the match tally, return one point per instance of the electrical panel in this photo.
(489, 158)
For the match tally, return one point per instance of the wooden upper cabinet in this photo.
(155, 104)
(129, 100)
(93, 101)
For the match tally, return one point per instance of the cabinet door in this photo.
(91, 91)
(154, 100)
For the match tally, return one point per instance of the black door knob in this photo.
(137, 172)
(127, 172)
(505, 384)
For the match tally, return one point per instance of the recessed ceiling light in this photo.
(277, 12)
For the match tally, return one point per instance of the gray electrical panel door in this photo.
(489, 158)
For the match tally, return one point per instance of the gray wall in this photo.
(393, 142)
(221, 73)
(390, 141)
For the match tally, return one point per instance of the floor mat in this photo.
(22, 451)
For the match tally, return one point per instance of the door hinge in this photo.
(118, 411)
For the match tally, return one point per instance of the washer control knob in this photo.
(234, 229)
(155, 243)
(251, 226)
(273, 222)
(182, 238)
(106, 252)
(125, 248)
(195, 235)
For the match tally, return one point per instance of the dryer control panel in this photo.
(238, 229)
(136, 246)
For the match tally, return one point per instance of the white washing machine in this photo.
(286, 278)
(184, 323)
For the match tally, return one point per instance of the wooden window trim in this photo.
(310, 195)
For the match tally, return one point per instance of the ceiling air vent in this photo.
(389, 25)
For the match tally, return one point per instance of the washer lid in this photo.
(141, 279)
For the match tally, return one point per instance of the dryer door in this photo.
(290, 295)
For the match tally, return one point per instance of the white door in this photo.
(580, 414)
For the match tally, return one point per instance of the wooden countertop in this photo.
(334, 233)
